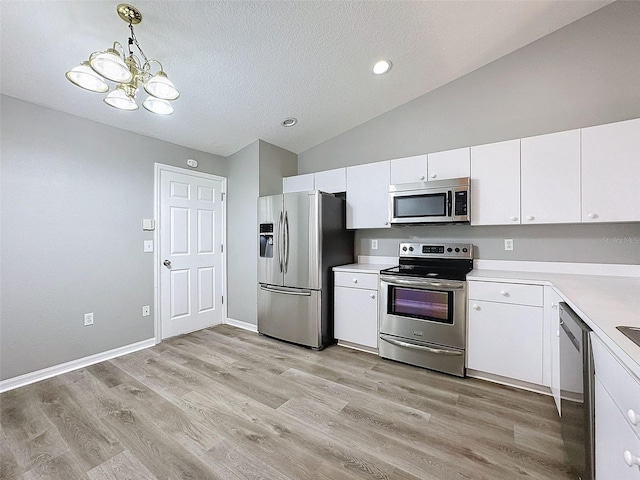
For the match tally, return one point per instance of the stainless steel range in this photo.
(423, 306)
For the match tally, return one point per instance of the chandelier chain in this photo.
(134, 40)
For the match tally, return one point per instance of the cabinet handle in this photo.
(475, 306)
(433, 175)
(421, 177)
(386, 223)
(631, 459)
(633, 417)
(504, 293)
(554, 305)
(592, 215)
(355, 280)
(373, 295)
(514, 219)
(530, 217)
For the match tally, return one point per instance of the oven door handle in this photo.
(422, 283)
(439, 351)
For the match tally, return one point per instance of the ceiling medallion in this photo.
(128, 71)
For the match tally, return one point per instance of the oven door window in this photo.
(424, 205)
(423, 304)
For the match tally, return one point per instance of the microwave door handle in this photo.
(449, 203)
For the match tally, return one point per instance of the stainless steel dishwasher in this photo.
(577, 394)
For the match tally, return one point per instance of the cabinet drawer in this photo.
(623, 386)
(506, 293)
(616, 443)
(356, 280)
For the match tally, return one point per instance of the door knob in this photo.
(167, 263)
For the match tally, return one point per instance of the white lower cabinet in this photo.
(617, 446)
(355, 308)
(617, 415)
(506, 334)
(552, 342)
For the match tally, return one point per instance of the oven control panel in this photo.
(436, 250)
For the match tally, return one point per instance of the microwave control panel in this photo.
(460, 203)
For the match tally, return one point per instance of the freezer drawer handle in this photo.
(440, 351)
(286, 292)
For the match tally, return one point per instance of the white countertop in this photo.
(603, 302)
(363, 267)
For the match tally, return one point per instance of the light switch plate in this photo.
(148, 246)
(148, 224)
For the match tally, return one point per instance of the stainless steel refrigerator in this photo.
(302, 236)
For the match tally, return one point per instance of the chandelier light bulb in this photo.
(110, 65)
(161, 87)
(157, 105)
(84, 77)
(120, 100)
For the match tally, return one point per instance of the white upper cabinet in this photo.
(611, 172)
(550, 182)
(368, 195)
(409, 169)
(298, 183)
(495, 183)
(449, 164)
(331, 181)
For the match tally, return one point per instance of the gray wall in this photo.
(242, 217)
(74, 193)
(586, 73)
(254, 171)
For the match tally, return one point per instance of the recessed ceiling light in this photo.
(383, 66)
(289, 122)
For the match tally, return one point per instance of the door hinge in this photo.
(221, 248)
(223, 299)
(222, 196)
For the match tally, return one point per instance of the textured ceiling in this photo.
(244, 66)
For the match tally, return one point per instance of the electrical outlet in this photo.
(374, 244)
(88, 319)
(146, 310)
(508, 244)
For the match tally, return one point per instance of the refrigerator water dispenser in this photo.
(266, 240)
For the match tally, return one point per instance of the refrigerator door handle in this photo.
(286, 243)
(280, 241)
(300, 293)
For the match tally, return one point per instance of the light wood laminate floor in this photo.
(224, 403)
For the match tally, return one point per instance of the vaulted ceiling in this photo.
(242, 67)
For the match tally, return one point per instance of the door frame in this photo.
(158, 169)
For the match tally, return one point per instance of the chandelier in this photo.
(128, 71)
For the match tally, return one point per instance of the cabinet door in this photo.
(449, 164)
(331, 181)
(611, 172)
(551, 347)
(614, 440)
(409, 169)
(506, 340)
(368, 195)
(495, 183)
(550, 167)
(297, 183)
(356, 316)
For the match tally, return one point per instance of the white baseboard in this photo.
(33, 377)
(240, 324)
(509, 382)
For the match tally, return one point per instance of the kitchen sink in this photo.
(633, 333)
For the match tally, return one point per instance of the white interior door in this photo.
(191, 243)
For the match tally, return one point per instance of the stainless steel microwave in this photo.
(440, 201)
